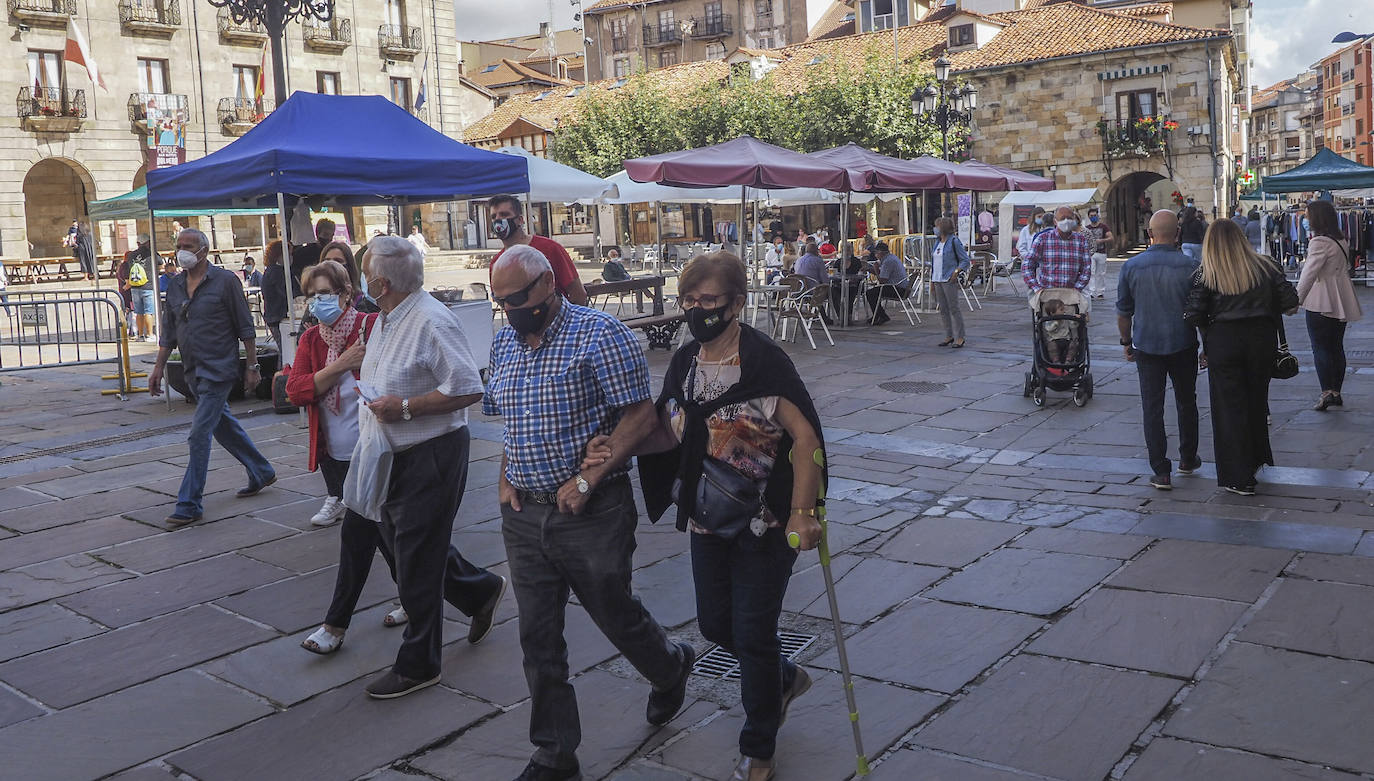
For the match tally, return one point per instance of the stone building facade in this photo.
(71, 142)
(1348, 101)
(626, 37)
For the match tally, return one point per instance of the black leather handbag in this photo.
(726, 501)
(1285, 365)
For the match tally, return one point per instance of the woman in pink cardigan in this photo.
(1325, 291)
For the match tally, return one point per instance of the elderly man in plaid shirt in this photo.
(1059, 258)
(560, 374)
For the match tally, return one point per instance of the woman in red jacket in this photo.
(324, 381)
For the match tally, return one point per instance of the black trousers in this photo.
(1328, 349)
(876, 294)
(334, 473)
(1179, 368)
(1240, 357)
(740, 585)
(427, 482)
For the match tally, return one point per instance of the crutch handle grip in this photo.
(794, 540)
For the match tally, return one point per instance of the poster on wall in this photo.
(166, 130)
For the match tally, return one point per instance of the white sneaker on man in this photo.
(331, 511)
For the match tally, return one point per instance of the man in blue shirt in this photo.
(892, 278)
(1149, 315)
(561, 374)
(812, 266)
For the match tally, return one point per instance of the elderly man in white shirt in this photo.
(419, 377)
(1034, 225)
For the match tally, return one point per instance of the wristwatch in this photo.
(255, 368)
(405, 409)
(583, 487)
(1125, 342)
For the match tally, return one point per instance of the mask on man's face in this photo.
(1067, 224)
(530, 319)
(1092, 218)
(187, 259)
(505, 227)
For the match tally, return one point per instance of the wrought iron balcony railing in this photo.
(241, 113)
(45, 12)
(41, 103)
(149, 15)
(247, 31)
(661, 34)
(621, 44)
(397, 40)
(335, 35)
(1139, 137)
(139, 103)
(711, 26)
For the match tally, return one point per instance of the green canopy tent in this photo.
(1325, 171)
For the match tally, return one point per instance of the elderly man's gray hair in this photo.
(200, 237)
(398, 261)
(529, 259)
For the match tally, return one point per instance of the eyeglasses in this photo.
(519, 298)
(706, 301)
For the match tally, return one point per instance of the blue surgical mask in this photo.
(1092, 218)
(367, 292)
(326, 308)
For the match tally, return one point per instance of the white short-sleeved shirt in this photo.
(416, 348)
(341, 428)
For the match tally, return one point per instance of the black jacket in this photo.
(1269, 299)
(1192, 232)
(273, 293)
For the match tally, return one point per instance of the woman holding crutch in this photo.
(732, 412)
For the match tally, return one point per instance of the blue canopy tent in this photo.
(1325, 171)
(344, 150)
(349, 150)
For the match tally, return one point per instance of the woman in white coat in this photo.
(1327, 294)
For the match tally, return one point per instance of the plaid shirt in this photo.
(1055, 261)
(557, 396)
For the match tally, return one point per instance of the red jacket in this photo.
(300, 385)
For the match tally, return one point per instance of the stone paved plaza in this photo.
(1019, 602)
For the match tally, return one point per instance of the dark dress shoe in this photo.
(254, 490)
(390, 686)
(481, 623)
(534, 772)
(663, 706)
(176, 520)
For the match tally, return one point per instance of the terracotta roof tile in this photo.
(833, 23)
(508, 72)
(605, 5)
(1149, 9)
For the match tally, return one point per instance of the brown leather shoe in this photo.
(751, 769)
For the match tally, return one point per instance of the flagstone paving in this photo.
(1018, 602)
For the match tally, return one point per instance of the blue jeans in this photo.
(1328, 349)
(1193, 251)
(740, 584)
(143, 300)
(213, 418)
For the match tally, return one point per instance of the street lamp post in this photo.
(274, 15)
(946, 105)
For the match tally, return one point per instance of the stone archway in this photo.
(1123, 210)
(56, 190)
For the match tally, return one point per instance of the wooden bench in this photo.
(660, 329)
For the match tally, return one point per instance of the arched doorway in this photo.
(55, 192)
(1125, 212)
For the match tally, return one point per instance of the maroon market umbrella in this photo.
(963, 177)
(877, 173)
(744, 161)
(1016, 180)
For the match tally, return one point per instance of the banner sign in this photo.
(166, 117)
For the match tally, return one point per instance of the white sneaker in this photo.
(332, 510)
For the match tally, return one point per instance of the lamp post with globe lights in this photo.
(274, 15)
(945, 104)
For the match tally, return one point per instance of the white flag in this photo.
(79, 54)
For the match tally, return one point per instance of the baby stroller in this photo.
(1059, 338)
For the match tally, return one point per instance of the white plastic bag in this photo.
(369, 472)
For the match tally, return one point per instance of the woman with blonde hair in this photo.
(1328, 296)
(1236, 302)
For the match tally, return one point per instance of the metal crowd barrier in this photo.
(66, 328)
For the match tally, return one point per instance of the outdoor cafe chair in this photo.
(805, 306)
(1003, 268)
(966, 285)
(893, 292)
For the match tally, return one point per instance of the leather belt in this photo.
(551, 497)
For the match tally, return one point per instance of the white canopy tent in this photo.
(1048, 200)
(557, 183)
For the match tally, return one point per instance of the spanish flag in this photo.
(260, 88)
(77, 53)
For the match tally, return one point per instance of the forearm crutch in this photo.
(823, 549)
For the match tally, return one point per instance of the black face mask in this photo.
(505, 227)
(530, 319)
(707, 324)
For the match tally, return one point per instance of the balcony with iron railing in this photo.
(53, 110)
(247, 32)
(332, 36)
(239, 115)
(621, 44)
(400, 41)
(705, 28)
(52, 13)
(142, 103)
(661, 35)
(150, 17)
(1137, 137)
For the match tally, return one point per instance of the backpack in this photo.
(138, 275)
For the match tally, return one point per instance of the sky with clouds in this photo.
(1288, 35)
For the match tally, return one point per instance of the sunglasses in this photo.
(186, 311)
(519, 298)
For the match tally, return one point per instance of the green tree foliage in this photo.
(833, 105)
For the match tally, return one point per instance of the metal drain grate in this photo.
(913, 387)
(720, 664)
(92, 443)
